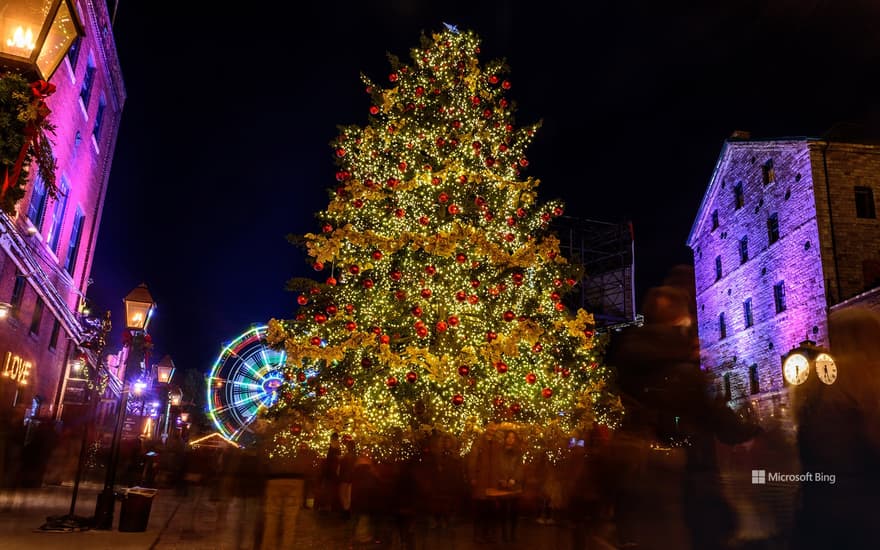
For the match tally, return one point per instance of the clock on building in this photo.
(796, 368)
(826, 368)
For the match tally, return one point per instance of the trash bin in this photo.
(136, 505)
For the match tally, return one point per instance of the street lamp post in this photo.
(35, 35)
(164, 373)
(139, 306)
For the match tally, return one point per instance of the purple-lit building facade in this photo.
(786, 232)
(46, 249)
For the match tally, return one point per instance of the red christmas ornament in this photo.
(393, 182)
(302, 299)
(315, 341)
(509, 316)
(320, 318)
(402, 166)
(314, 290)
(426, 293)
(318, 266)
(331, 280)
(301, 376)
(570, 282)
(358, 203)
(392, 381)
(554, 296)
(396, 275)
(457, 399)
(442, 197)
(493, 79)
(424, 220)
(545, 217)
(441, 326)
(419, 91)
(487, 113)
(509, 237)
(511, 221)
(377, 255)
(524, 162)
(460, 258)
(350, 326)
(502, 147)
(366, 362)
(490, 162)
(497, 401)
(453, 321)
(430, 270)
(475, 283)
(464, 370)
(384, 339)
(557, 211)
(400, 295)
(501, 367)
(349, 381)
(411, 377)
(480, 202)
(531, 378)
(326, 228)
(506, 84)
(517, 278)
(296, 428)
(515, 408)
(340, 152)
(417, 311)
(453, 209)
(461, 296)
(566, 373)
(421, 332)
(557, 283)
(368, 283)
(473, 299)
(537, 348)
(300, 317)
(354, 270)
(520, 212)
(462, 179)
(374, 110)
(588, 333)
(349, 308)
(392, 77)
(435, 181)
(547, 393)
(559, 306)
(488, 216)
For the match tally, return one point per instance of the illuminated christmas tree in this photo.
(442, 305)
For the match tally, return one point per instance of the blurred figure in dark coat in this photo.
(839, 435)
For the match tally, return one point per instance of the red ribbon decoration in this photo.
(41, 90)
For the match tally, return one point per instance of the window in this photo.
(747, 313)
(73, 244)
(73, 52)
(754, 383)
(722, 326)
(99, 117)
(38, 317)
(53, 338)
(727, 393)
(714, 220)
(768, 174)
(738, 197)
(779, 297)
(17, 292)
(865, 202)
(744, 250)
(37, 206)
(85, 92)
(52, 237)
(717, 268)
(773, 228)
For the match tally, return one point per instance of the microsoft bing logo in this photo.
(759, 477)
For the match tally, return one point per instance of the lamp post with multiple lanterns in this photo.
(139, 306)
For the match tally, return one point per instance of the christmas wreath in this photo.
(23, 137)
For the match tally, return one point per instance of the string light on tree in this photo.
(446, 312)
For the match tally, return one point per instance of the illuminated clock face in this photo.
(796, 369)
(826, 368)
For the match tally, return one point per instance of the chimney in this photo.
(741, 134)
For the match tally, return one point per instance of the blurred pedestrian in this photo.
(367, 499)
(838, 438)
(328, 485)
(510, 486)
(483, 462)
(346, 468)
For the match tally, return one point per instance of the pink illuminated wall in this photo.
(820, 248)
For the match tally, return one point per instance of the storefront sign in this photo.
(16, 368)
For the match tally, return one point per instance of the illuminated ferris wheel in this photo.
(243, 380)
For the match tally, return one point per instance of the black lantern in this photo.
(799, 364)
(35, 35)
(164, 370)
(138, 308)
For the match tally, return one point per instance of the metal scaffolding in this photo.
(605, 253)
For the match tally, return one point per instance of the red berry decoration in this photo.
(349, 381)
(453, 321)
(464, 370)
(509, 316)
(392, 381)
(411, 377)
(547, 393)
(315, 341)
(501, 367)
(350, 326)
(457, 399)
(302, 299)
(531, 378)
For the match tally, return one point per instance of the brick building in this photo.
(787, 230)
(46, 249)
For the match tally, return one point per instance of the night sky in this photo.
(224, 143)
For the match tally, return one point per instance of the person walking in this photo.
(510, 486)
(483, 476)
